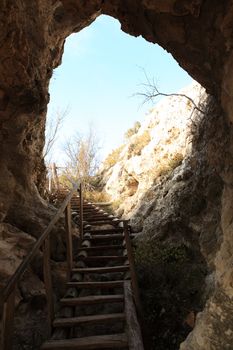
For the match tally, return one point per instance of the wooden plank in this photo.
(103, 222)
(69, 244)
(106, 231)
(120, 268)
(26, 262)
(103, 258)
(101, 247)
(8, 322)
(96, 285)
(75, 321)
(132, 270)
(104, 237)
(133, 327)
(112, 341)
(48, 282)
(93, 299)
(81, 205)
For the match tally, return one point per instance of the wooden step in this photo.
(103, 222)
(102, 247)
(75, 321)
(107, 269)
(103, 258)
(106, 231)
(113, 341)
(106, 236)
(92, 299)
(96, 285)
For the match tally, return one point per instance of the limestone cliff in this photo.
(176, 209)
(152, 149)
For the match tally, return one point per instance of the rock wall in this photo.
(199, 35)
(152, 150)
(181, 206)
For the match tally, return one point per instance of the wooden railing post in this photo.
(48, 282)
(134, 280)
(8, 322)
(81, 210)
(69, 244)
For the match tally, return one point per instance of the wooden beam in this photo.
(81, 210)
(133, 327)
(8, 322)
(112, 341)
(48, 282)
(132, 269)
(69, 244)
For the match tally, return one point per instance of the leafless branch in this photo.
(52, 128)
(151, 91)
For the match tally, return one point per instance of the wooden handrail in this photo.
(134, 281)
(7, 294)
(7, 290)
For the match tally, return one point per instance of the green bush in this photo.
(171, 281)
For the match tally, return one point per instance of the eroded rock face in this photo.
(198, 34)
(152, 150)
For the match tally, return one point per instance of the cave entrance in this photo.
(102, 68)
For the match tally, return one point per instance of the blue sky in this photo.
(101, 70)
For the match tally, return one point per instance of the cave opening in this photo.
(199, 35)
(102, 71)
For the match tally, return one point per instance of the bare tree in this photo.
(53, 126)
(151, 91)
(82, 153)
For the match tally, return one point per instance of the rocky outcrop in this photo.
(176, 207)
(179, 214)
(152, 150)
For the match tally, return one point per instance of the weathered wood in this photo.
(107, 237)
(48, 282)
(93, 299)
(107, 269)
(133, 327)
(102, 247)
(96, 285)
(65, 312)
(103, 258)
(132, 270)
(106, 231)
(112, 341)
(26, 262)
(69, 244)
(81, 204)
(7, 322)
(76, 321)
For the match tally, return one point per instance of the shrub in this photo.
(139, 143)
(113, 157)
(130, 132)
(171, 281)
(176, 160)
(96, 196)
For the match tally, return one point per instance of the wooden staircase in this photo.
(96, 289)
(101, 305)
